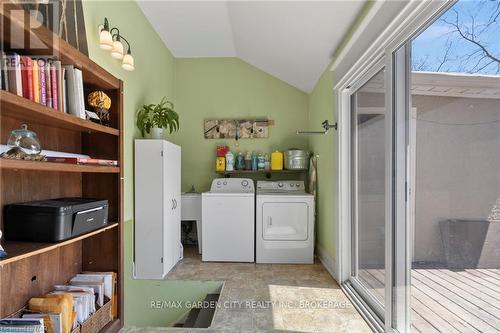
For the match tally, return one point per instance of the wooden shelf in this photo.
(259, 172)
(6, 163)
(24, 109)
(21, 250)
(93, 74)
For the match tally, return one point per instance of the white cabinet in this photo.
(157, 208)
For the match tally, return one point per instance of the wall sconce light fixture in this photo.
(111, 40)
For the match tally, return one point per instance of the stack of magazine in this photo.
(67, 306)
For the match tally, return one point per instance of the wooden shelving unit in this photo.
(32, 269)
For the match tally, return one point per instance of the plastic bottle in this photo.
(229, 161)
(240, 161)
(255, 161)
(261, 162)
(248, 161)
(220, 164)
(267, 164)
(277, 160)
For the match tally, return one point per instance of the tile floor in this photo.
(269, 298)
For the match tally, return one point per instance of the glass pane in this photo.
(369, 185)
(456, 116)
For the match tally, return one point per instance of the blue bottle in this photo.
(240, 161)
(255, 161)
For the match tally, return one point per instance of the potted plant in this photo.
(154, 118)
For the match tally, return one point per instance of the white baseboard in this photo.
(327, 261)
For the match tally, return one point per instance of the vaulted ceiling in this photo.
(292, 40)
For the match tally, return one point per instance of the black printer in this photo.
(54, 220)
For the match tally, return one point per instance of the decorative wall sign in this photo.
(236, 128)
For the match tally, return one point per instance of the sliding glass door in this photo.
(422, 176)
(368, 128)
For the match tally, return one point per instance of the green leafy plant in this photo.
(157, 115)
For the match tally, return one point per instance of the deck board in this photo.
(459, 286)
(481, 279)
(450, 301)
(419, 324)
(472, 283)
(461, 307)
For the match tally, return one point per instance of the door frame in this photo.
(414, 17)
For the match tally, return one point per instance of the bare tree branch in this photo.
(470, 42)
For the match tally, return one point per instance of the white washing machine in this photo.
(284, 223)
(228, 214)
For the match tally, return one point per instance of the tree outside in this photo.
(466, 39)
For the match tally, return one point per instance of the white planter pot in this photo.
(157, 133)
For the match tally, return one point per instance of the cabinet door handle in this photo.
(173, 204)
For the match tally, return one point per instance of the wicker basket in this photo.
(76, 330)
(98, 320)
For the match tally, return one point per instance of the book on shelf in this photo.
(5, 76)
(27, 77)
(84, 161)
(45, 81)
(79, 93)
(48, 86)
(14, 74)
(73, 93)
(36, 82)
(54, 86)
(41, 77)
(64, 96)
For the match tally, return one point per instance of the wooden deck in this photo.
(449, 301)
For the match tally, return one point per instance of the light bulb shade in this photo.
(117, 51)
(105, 40)
(128, 62)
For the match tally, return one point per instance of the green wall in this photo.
(231, 88)
(322, 105)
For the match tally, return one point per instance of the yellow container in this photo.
(220, 164)
(277, 160)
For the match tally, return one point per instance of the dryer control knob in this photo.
(218, 183)
(298, 185)
(280, 184)
(225, 183)
(291, 185)
(244, 183)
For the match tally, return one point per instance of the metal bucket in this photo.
(296, 159)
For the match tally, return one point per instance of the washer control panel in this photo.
(281, 186)
(232, 185)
